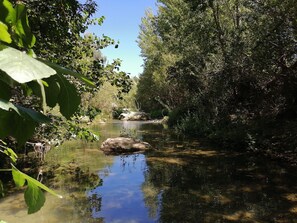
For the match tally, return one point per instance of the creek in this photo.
(181, 181)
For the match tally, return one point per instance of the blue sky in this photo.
(122, 20)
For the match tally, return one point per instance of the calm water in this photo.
(182, 181)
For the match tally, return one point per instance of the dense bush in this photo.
(221, 67)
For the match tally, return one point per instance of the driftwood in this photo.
(124, 145)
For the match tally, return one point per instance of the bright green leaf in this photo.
(34, 198)
(12, 155)
(18, 178)
(22, 29)
(8, 14)
(21, 67)
(37, 183)
(4, 35)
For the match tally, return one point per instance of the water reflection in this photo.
(120, 196)
(212, 186)
(181, 181)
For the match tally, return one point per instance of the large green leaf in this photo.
(7, 106)
(4, 35)
(68, 98)
(37, 183)
(33, 115)
(34, 198)
(18, 178)
(7, 79)
(21, 67)
(52, 91)
(18, 121)
(25, 113)
(22, 29)
(22, 129)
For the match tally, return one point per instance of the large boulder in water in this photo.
(124, 145)
(134, 116)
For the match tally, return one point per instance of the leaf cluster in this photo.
(23, 75)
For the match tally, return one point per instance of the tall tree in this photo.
(232, 63)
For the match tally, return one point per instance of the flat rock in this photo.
(134, 116)
(124, 145)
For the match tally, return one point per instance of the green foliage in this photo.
(34, 196)
(21, 67)
(31, 81)
(4, 35)
(68, 98)
(18, 68)
(220, 64)
(18, 121)
(26, 76)
(111, 103)
(16, 21)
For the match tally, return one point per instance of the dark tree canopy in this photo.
(226, 68)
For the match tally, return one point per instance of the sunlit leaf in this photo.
(22, 28)
(34, 198)
(4, 35)
(12, 155)
(18, 178)
(7, 14)
(21, 67)
(37, 183)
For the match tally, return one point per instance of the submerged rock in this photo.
(124, 145)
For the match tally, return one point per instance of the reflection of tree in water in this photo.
(95, 204)
(76, 181)
(128, 164)
(151, 198)
(209, 186)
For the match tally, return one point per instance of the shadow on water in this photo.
(181, 181)
(185, 182)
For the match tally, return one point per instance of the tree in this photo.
(24, 74)
(232, 65)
